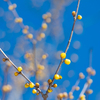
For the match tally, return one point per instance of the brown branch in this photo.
(38, 89)
(75, 18)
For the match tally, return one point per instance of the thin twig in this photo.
(75, 18)
(38, 89)
(86, 85)
(84, 89)
(76, 84)
(90, 65)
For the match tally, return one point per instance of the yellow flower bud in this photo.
(63, 55)
(67, 61)
(54, 85)
(79, 17)
(89, 91)
(60, 77)
(34, 91)
(16, 73)
(49, 81)
(81, 76)
(19, 69)
(37, 85)
(82, 97)
(65, 95)
(60, 96)
(50, 90)
(26, 85)
(31, 85)
(37, 93)
(11, 7)
(25, 31)
(42, 35)
(4, 59)
(73, 13)
(90, 81)
(71, 97)
(18, 20)
(48, 20)
(44, 16)
(30, 36)
(56, 76)
(77, 88)
(44, 26)
(44, 56)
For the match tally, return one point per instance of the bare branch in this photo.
(75, 18)
(20, 72)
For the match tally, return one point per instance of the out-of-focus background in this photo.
(15, 45)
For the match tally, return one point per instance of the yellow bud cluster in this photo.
(7, 88)
(70, 95)
(89, 91)
(91, 71)
(18, 20)
(40, 67)
(44, 26)
(57, 77)
(62, 95)
(27, 55)
(29, 36)
(11, 7)
(44, 16)
(65, 95)
(44, 56)
(42, 35)
(25, 30)
(47, 15)
(81, 75)
(89, 81)
(82, 97)
(77, 88)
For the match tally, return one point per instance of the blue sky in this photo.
(88, 38)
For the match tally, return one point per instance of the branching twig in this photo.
(38, 89)
(75, 18)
